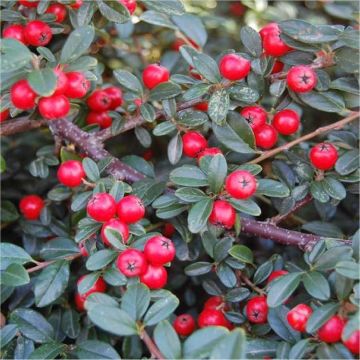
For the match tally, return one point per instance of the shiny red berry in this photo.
(103, 119)
(115, 95)
(132, 262)
(266, 136)
(212, 317)
(275, 274)
(4, 115)
(269, 29)
(184, 324)
(202, 106)
(159, 250)
(155, 74)
(83, 250)
(274, 46)
(155, 277)
(278, 66)
(99, 100)
(193, 143)
(130, 209)
(208, 152)
(255, 115)
(241, 184)
(353, 342)
(37, 33)
(234, 67)
(76, 4)
(331, 331)
(62, 82)
(169, 230)
(22, 95)
(101, 207)
(54, 107)
(298, 317)
(130, 5)
(29, 3)
(59, 10)
(301, 79)
(78, 85)
(98, 286)
(323, 156)
(15, 31)
(257, 310)
(222, 214)
(70, 173)
(30, 206)
(119, 226)
(286, 122)
(215, 302)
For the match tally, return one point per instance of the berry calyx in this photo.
(331, 331)
(323, 156)
(241, 184)
(353, 342)
(59, 10)
(130, 209)
(61, 83)
(255, 115)
(212, 317)
(29, 3)
(37, 33)
(184, 324)
(70, 173)
(115, 95)
(159, 250)
(103, 119)
(30, 206)
(208, 152)
(54, 107)
(4, 115)
(99, 100)
(119, 226)
(257, 310)
(169, 230)
(234, 67)
(266, 136)
(98, 286)
(130, 5)
(155, 74)
(22, 95)
(222, 214)
(78, 85)
(193, 143)
(298, 317)
(132, 262)
(101, 207)
(202, 106)
(276, 274)
(301, 79)
(16, 32)
(286, 122)
(155, 277)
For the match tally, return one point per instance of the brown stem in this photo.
(21, 124)
(153, 349)
(242, 277)
(44, 264)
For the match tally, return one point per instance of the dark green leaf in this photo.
(14, 275)
(114, 11)
(167, 340)
(190, 195)
(316, 285)
(175, 148)
(198, 268)
(91, 169)
(324, 101)
(14, 55)
(136, 300)
(165, 90)
(219, 106)
(161, 309)
(320, 316)
(170, 7)
(94, 349)
(199, 214)
(48, 351)
(251, 40)
(43, 81)
(272, 188)
(278, 322)
(349, 269)
(128, 81)
(348, 162)
(100, 259)
(242, 253)
(188, 175)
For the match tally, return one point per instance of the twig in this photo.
(154, 350)
(248, 282)
(21, 124)
(44, 264)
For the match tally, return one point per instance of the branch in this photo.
(21, 124)
(154, 350)
(44, 264)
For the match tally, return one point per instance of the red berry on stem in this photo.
(234, 67)
(71, 173)
(76, 4)
(298, 317)
(98, 286)
(169, 230)
(353, 342)
(130, 5)
(14, 31)
(331, 331)
(208, 152)
(222, 214)
(212, 317)
(37, 33)
(214, 302)
(101, 207)
(193, 143)
(103, 119)
(78, 85)
(62, 82)
(323, 156)
(132, 262)
(301, 79)
(4, 115)
(275, 274)
(241, 184)
(159, 250)
(54, 107)
(29, 3)
(266, 136)
(30, 206)
(278, 66)
(255, 115)
(269, 29)
(274, 46)
(117, 225)
(99, 100)
(257, 310)
(130, 209)
(155, 74)
(184, 324)
(155, 277)
(202, 106)
(22, 95)
(115, 95)
(286, 122)
(59, 10)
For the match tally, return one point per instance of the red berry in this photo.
(278, 66)
(138, 102)
(301, 79)
(103, 119)
(148, 154)
(159, 250)
(22, 95)
(193, 143)
(257, 310)
(222, 214)
(323, 156)
(71, 173)
(99, 100)
(331, 331)
(154, 75)
(155, 277)
(30, 206)
(237, 8)
(255, 115)
(62, 82)
(193, 73)
(59, 10)
(54, 107)
(130, 209)
(83, 250)
(241, 184)
(212, 317)
(298, 317)
(15, 31)
(208, 152)
(115, 95)
(184, 324)
(4, 115)
(78, 85)
(286, 122)
(266, 136)
(132, 262)
(77, 4)
(202, 106)
(169, 230)
(117, 225)
(215, 303)
(29, 3)
(101, 207)
(234, 67)
(37, 33)
(99, 286)
(275, 274)
(353, 342)
(272, 43)
(130, 5)
(269, 29)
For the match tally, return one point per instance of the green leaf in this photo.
(87, 282)
(318, 192)
(320, 316)
(350, 38)
(199, 214)
(48, 351)
(251, 40)
(316, 285)
(219, 106)
(237, 294)
(58, 248)
(244, 94)
(192, 27)
(349, 269)
(217, 171)
(347, 162)
(188, 175)
(167, 340)
(278, 322)
(175, 148)
(91, 169)
(301, 348)
(70, 323)
(157, 18)
(208, 68)
(263, 272)
(14, 55)
(115, 239)
(325, 101)
(24, 348)
(242, 253)
(8, 212)
(43, 81)
(231, 346)
(161, 309)
(272, 188)
(198, 268)
(136, 300)
(334, 188)
(246, 206)
(164, 128)
(169, 7)
(114, 11)
(165, 90)
(94, 349)
(15, 275)
(329, 259)
(100, 259)
(10, 253)
(128, 81)
(226, 275)
(346, 84)
(8, 332)
(190, 195)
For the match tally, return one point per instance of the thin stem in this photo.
(153, 349)
(44, 264)
(242, 277)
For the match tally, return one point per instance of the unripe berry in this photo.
(255, 115)
(155, 277)
(298, 317)
(331, 331)
(208, 152)
(212, 317)
(276, 274)
(54, 107)
(98, 286)
(130, 5)
(99, 100)
(78, 85)
(353, 342)
(22, 95)
(222, 214)
(76, 4)
(37, 33)
(115, 95)
(266, 136)
(202, 106)
(286, 122)
(62, 82)
(4, 115)
(301, 79)
(103, 119)
(159, 250)
(193, 143)
(184, 324)
(14, 31)
(257, 310)
(30, 206)
(71, 173)
(241, 184)
(59, 10)
(29, 3)
(101, 207)
(130, 209)
(132, 262)
(155, 74)
(234, 67)
(117, 225)
(169, 230)
(323, 156)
